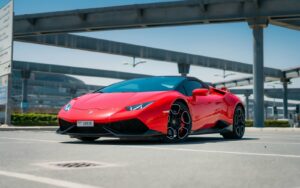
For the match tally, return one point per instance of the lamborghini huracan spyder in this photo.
(169, 107)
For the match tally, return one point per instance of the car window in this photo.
(129, 87)
(189, 86)
(144, 85)
(181, 89)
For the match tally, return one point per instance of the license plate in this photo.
(85, 123)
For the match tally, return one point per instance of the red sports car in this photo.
(170, 107)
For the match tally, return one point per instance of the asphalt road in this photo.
(262, 159)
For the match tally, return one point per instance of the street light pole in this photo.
(224, 75)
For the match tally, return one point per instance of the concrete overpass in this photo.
(283, 13)
(184, 60)
(287, 74)
(277, 93)
(60, 69)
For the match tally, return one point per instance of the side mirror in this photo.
(224, 89)
(200, 92)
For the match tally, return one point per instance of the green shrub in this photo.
(270, 123)
(34, 119)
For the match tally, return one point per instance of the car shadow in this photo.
(155, 141)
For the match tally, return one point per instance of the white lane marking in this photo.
(29, 139)
(283, 143)
(217, 151)
(16, 142)
(53, 141)
(279, 136)
(44, 180)
(258, 142)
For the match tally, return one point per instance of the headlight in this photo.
(138, 106)
(67, 107)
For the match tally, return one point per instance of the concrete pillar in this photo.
(7, 118)
(247, 105)
(258, 77)
(266, 111)
(257, 25)
(25, 76)
(183, 68)
(285, 98)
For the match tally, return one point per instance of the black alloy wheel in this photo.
(238, 125)
(179, 123)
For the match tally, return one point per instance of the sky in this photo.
(227, 41)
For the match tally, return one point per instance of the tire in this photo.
(238, 125)
(179, 123)
(87, 139)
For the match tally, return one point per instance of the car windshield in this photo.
(144, 85)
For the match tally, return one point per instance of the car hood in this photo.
(115, 100)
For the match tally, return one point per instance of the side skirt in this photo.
(220, 127)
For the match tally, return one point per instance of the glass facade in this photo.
(47, 92)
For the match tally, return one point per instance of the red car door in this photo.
(203, 108)
(204, 111)
(218, 105)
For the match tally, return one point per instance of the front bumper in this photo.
(126, 128)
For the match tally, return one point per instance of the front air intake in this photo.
(128, 127)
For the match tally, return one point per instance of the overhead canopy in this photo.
(285, 13)
(272, 93)
(286, 74)
(125, 49)
(21, 65)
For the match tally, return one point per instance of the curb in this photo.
(28, 128)
(272, 129)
